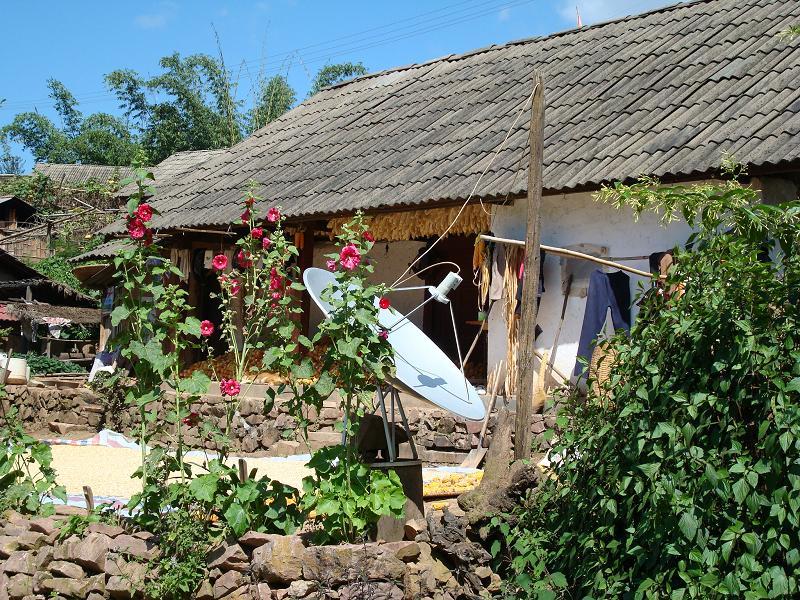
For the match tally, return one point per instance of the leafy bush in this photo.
(26, 475)
(43, 365)
(680, 478)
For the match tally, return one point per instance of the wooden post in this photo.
(530, 285)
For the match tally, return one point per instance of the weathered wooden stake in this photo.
(88, 495)
(530, 285)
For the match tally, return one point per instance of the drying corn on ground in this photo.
(450, 485)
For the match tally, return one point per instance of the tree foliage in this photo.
(679, 477)
(337, 73)
(191, 104)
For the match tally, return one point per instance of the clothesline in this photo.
(571, 254)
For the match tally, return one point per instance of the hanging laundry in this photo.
(498, 272)
(55, 325)
(606, 290)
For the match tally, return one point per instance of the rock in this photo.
(14, 530)
(205, 591)
(3, 586)
(495, 583)
(143, 535)
(228, 557)
(8, 544)
(260, 591)
(414, 527)
(127, 544)
(45, 525)
(301, 588)
(71, 588)
(350, 562)
(227, 582)
(19, 585)
(446, 425)
(374, 590)
(254, 539)
(63, 428)
(484, 573)
(32, 540)
(240, 593)
(89, 552)
(280, 560)
(111, 531)
(20, 561)
(249, 444)
(43, 558)
(407, 551)
(62, 568)
(269, 436)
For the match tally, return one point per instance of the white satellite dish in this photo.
(421, 366)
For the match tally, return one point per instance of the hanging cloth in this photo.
(606, 290)
(498, 272)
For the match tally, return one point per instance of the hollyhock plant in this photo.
(249, 201)
(384, 303)
(230, 387)
(350, 257)
(330, 264)
(383, 334)
(219, 262)
(257, 233)
(144, 212)
(246, 216)
(273, 215)
(206, 328)
(136, 228)
(244, 259)
(369, 237)
(265, 243)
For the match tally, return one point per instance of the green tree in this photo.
(275, 98)
(337, 73)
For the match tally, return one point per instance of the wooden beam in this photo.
(530, 284)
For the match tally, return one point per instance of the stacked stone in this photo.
(108, 562)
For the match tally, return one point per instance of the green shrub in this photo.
(42, 365)
(681, 478)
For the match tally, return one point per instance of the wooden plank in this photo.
(530, 284)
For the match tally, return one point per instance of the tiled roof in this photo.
(664, 93)
(74, 173)
(172, 168)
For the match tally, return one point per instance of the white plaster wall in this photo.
(389, 261)
(567, 220)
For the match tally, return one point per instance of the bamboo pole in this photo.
(571, 254)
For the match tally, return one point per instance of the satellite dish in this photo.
(421, 366)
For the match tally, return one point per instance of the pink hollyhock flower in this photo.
(230, 387)
(246, 216)
(368, 236)
(257, 232)
(206, 328)
(244, 259)
(219, 262)
(236, 287)
(144, 212)
(331, 264)
(383, 334)
(275, 282)
(277, 295)
(384, 303)
(273, 215)
(266, 243)
(350, 257)
(136, 228)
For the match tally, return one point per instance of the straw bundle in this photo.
(407, 225)
(514, 257)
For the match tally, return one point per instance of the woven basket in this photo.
(603, 359)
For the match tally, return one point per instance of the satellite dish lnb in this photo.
(420, 365)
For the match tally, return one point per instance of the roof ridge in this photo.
(522, 41)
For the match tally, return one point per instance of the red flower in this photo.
(273, 215)
(229, 387)
(277, 295)
(148, 237)
(331, 264)
(266, 243)
(206, 328)
(235, 287)
(192, 419)
(244, 259)
(249, 201)
(144, 212)
(368, 236)
(257, 232)
(275, 282)
(350, 257)
(246, 216)
(136, 228)
(219, 262)
(383, 334)
(384, 303)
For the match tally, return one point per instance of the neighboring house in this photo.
(18, 225)
(666, 93)
(29, 300)
(75, 174)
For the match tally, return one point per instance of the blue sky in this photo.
(79, 42)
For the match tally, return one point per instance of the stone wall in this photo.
(441, 437)
(109, 561)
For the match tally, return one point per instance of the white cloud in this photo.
(594, 11)
(157, 21)
(504, 14)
